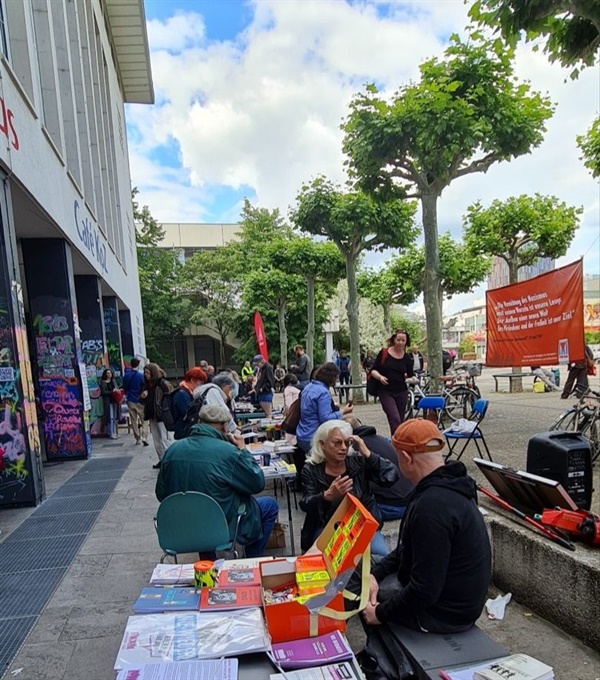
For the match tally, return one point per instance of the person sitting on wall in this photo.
(391, 500)
(182, 399)
(332, 471)
(215, 462)
(437, 579)
(546, 376)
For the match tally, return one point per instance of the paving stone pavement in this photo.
(79, 631)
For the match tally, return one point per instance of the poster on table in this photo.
(538, 322)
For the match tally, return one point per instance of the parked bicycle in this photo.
(584, 418)
(459, 391)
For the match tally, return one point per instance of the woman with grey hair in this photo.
(218, 392)
(341, 463)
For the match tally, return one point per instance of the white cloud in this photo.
(264, 110)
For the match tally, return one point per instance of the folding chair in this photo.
(193, 522)
(476, 435)
(432, 403)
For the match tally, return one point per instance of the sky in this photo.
(250, 96)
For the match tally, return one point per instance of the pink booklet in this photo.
(314, 651)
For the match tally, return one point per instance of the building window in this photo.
(3, 31)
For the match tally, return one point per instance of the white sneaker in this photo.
(137, 442)
(113, 436)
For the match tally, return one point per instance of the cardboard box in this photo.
(342, 543)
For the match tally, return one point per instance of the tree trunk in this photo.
(516, 385)
(387, 320)
(431, 288)
(222, 350)
(283, 338)
(352, 310)
(310, 329)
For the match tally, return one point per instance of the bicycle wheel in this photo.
(459, 403)
(590, 429)
(567, 421)
(410, 405)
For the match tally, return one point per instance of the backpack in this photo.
(291, 421)
(191, 417)
(166, 412)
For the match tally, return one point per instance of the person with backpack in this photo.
(183, 397)
(155, 387)
(133, 383)
(217, 393)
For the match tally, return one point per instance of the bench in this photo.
(511, 377)
(340, 390)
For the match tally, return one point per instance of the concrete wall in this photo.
(558, 585)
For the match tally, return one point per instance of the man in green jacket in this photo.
(217, 463)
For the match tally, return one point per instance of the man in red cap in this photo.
(437, 578)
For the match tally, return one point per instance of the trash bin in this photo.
(556, 372)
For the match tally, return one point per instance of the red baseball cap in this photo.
(418, 436)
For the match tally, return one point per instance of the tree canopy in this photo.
(590, 148)
(521, 229)
(570, 28)
(465, 113)
(355, 222)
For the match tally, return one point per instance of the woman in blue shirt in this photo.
(317, 407)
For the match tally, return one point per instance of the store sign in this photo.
(91, 237)
(7, 125)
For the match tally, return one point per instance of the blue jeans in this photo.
(269, 511)
(378, 545)
(391, 512)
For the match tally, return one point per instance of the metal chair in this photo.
(432, 403)
(194, 522)
(476, 435)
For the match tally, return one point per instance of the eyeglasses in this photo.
(340, 443)
(400, 330)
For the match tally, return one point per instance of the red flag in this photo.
(261, 338)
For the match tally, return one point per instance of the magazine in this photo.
(207, 669)
(233, 578)
(314, 651)
(230, 598)
(186, 636)
(515, 667)
(336, 671)
(155, 600)
(172, 575)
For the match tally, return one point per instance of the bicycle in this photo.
(584, 418)
(460, 396)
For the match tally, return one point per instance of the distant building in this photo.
(591, 303)
(498, 276)
(199, 341)
(470, 321)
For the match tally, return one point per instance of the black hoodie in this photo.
(443, 557)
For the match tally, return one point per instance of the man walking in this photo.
(133, 383)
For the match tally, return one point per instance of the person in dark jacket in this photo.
(182, 399)
(155, 386)
(111, 410)
(330, 473)
(215, 462)
(391, 500)
(437, 578)
(133, 384)
(265, 382)
(578, 375)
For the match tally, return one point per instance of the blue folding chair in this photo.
(432, 403)
(476, 435)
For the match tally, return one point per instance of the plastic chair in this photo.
(432, 403)
(476, 435)
(193, 522)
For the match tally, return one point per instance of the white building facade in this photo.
(69, 295)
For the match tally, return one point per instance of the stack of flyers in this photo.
(172, 575)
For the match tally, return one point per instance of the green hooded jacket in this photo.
(207, 462)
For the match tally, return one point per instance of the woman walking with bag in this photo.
(155, 386)
(391, 368)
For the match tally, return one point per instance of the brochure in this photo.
(233, 578)
(172, 575)
(336, 671)
(155, 600)
(230, 598)
(218, 669)
(315, 651)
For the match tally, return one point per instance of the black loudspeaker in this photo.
(565, 457)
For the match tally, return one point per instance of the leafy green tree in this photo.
(213, 286)
(383, 288)
(521, 230)
(590, 147)
(467, 345)
(356, 223)
(411, 323)
(571, 28)
(166, 312)
(466, 113)
(318, 262)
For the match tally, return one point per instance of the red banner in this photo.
(261, 338)
(537, 322)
